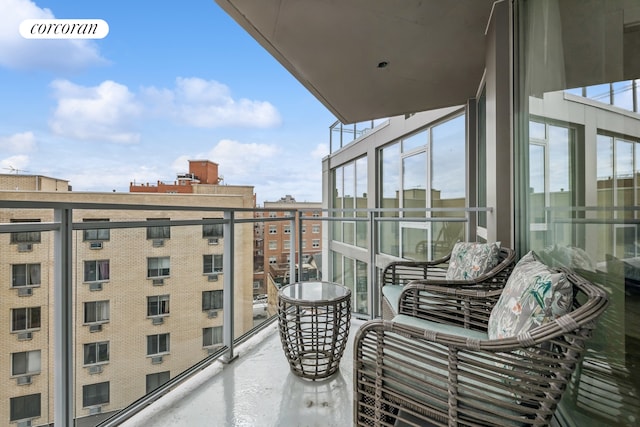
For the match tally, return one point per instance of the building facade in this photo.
(277, 241)
(147, 300)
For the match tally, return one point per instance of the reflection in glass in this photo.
(414, 183)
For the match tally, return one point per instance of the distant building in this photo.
(148, 300)
(277, 238)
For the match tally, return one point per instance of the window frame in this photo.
(158, 350)
(208, 334)
(19, 237)
(22, 402)
(164, 231)
(29, 370)
(97, 353)
(212, 300)
(159, 269)
(29, 316)
(96, 234)
(158, 381)
(27, 275)
(97, 308)
(97, 279)
(99, 397)
(215, 267)
(162, 305)
(212, 230)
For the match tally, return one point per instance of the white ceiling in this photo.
(435, 50)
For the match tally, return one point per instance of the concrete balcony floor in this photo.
(257, 389)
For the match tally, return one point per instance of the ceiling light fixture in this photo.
(382, 64)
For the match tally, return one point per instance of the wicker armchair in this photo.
(447, 372)
(398, 273)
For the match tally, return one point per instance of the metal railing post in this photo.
(299, 235)
(292, 250)
(228, 296)
(374, 291)
(63, 319)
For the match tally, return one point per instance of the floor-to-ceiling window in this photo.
(577, 132)
(421, 171)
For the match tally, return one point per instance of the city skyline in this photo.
(164, 86)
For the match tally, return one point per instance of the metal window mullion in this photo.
(299, 235)
(63, 319)
(227, 286)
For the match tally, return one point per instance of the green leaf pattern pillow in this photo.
(532, 296)
(471, 259)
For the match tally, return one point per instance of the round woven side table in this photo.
(314, 319)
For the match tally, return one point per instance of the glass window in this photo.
(23, 319)
(418, 140)
(156, 380)
(95, 271)
(25, 275)
(157, 305)
(158, 232)
(24, 407)
(315, 243)
(96, 311)
(96, 352)
(211, 336)
(211, 300)
(286, 244)
(96, 234)
(212, 230)
(158, 267)
(273, 245)
(212, 263)
(286, 229)
(273, 229)
(25, 362)
(25, 236)
(273, 260)
(315, 229)
(95, 394)
(578, 163)
(157, 344)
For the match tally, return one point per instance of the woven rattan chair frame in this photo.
(434, 272)
(412, 376)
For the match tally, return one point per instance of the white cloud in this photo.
(105, 112)
(18, 143)
(320, 151)
(20, 53)
(209, 104)
(17, 164)
(242, 161)
(271, 170)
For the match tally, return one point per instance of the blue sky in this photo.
(170, 82)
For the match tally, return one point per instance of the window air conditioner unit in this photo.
(23, 336)
(156, 360)
(157, 321)
(95, 410)
(158, 282)
(213, 277)
(212, 314)
(158, 243)
(95, 286)
(25, 292)
(95, 369)
(95, 245)
(25, 247)
(24, 380)
(95, 328)
(25, 423)
(214, 241)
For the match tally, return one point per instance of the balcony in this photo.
(212, 355)
(208, 326)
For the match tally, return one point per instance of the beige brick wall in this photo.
(127, 289)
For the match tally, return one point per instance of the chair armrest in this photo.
(458, 303)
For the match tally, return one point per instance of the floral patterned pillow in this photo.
(470, 260)
(532, 296)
